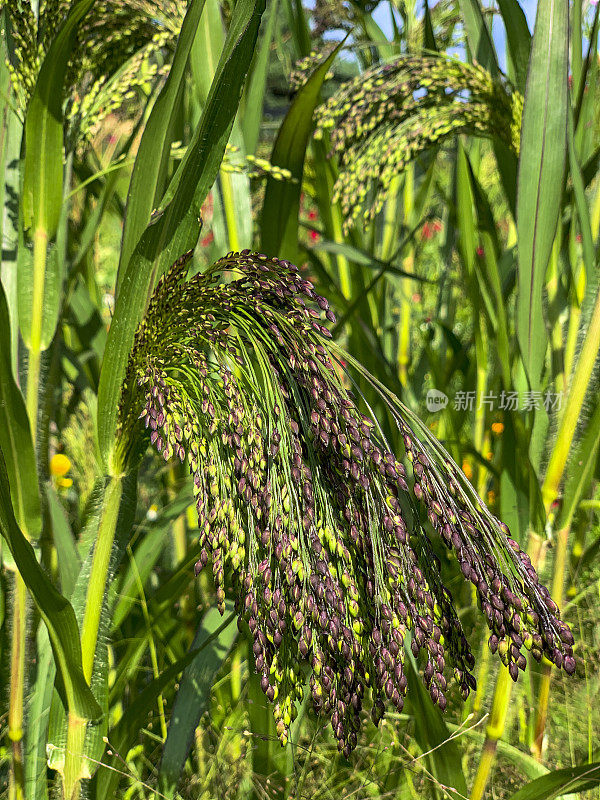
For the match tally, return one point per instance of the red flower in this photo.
(429, 229)
(480, 252)
(426, 231)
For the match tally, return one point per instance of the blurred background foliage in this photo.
(449, 208)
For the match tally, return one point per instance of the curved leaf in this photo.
(15, 436)
(213, 641)
(279, 220)
(43, 180)
(144, 187)
(54, 608)
(177, 226)
(559, 782)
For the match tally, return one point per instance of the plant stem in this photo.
(19, 621)
(541, 714)
(493, 732)
(574, 403)
(17, 683)
(99, 573)
(229, 209)
(40, 245)
(76, 767)
(406, 285)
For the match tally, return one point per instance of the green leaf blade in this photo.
(15, 437)
(54, 608)
(540, 176)
(279, 219)
(178, 225)
(43, 179)
(213, 641)
(144, 187)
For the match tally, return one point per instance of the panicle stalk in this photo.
(306, 512)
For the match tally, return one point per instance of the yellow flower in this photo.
(65, 483)
(467, 469)
(497, 428)
(60, 465)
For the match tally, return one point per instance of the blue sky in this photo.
(382, 17)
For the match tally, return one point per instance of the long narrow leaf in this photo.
(558, 782)
(541, 166)
(144, 188)
(518, 39)
(279, 220)
(177, 227)
(43, 180)
(194, 692)
(433, 737)
(15, 436)
(478, 35)
(257, 82)
(55, 610)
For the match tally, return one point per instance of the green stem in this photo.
(17, 683)
(493, 732)
(406, 284)
(541, 713)
(17, 672)
(229, 209)
(99, 573)
(481, 382)
(76, 767)
(19, 621)
(572, 412)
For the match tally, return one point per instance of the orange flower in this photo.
(497, 428)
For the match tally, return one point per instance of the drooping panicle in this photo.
(381, 120)
(305, 510)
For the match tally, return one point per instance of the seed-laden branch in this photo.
(303, 507)
(385, 117)
(115, 53)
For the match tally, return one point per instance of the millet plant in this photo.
(299, 496)
(313, 505)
